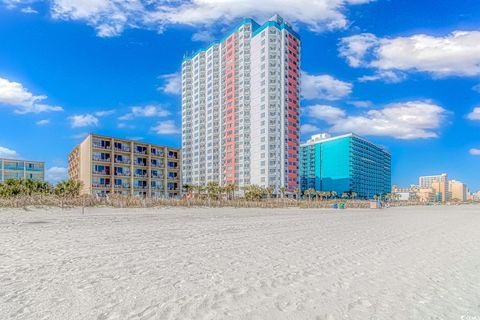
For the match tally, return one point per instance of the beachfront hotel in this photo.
(107, 165)
(240, 108)
(346, 163)
(21, 170)
(439, 184)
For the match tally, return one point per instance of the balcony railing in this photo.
(101, 159)
(140, 187)
(13, 168)
(101, 172)
(157, 165)
(157, 187)
(124, 149)
(140, 175)
(99, 146)
(158, 154)
(101, 185)
(124, 186)
(141, 152)
(123, 174)
(141, 164)
(126, 161)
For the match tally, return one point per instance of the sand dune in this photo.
(399, 263)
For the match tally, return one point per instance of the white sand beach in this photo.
(397, 263)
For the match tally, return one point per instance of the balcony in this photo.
(100, 146)
(157, 154)
(140, 187)
(143, 151)
(101, 159)
(123, 174)
(125, 161)
(122, 186)
(157, 165)
(101, 185)
(104, 172)
(13, 168)
(122, 149)
(140, 175)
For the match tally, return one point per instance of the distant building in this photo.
(405, 194)
(476, 196)
(107, 165)
(346, 163)
(458, 190)
(21, 169)
(427, 195)
(439, 183)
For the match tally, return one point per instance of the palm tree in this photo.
(333, 194)
(230, 191)
(345, 195)
(269, 191)
(297, 192)
(188, 188)
(68, 188)
(213, 190)
(328, 194)
(353, 194)
(283, 189)
(310, 192)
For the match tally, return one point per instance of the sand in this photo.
(397, 263)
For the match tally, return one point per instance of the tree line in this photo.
(14, 188)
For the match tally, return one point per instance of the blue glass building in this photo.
(346, 163)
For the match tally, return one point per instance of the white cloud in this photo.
(8, 153)
(28, 10)
(325, 113)
(361, 103)
(104, 113)
(83, 120)
(324, 87)
(54, 175)
(455, 54)
(122, 125)
(15, 95)
(203, 36)
(474, 152)
(388, 76)
(43, 122)
(308, 128)
(475, 114)
(476, 88)
(166, 127)
(404, 120)
(112, 17)
(145, 112)
(172, 83)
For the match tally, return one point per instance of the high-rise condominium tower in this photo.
(240, 108)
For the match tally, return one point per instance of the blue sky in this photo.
(406, 74)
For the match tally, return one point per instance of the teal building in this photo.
(346, 163)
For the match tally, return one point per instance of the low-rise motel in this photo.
(107, 165)
(21, 169)
(346, 163)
